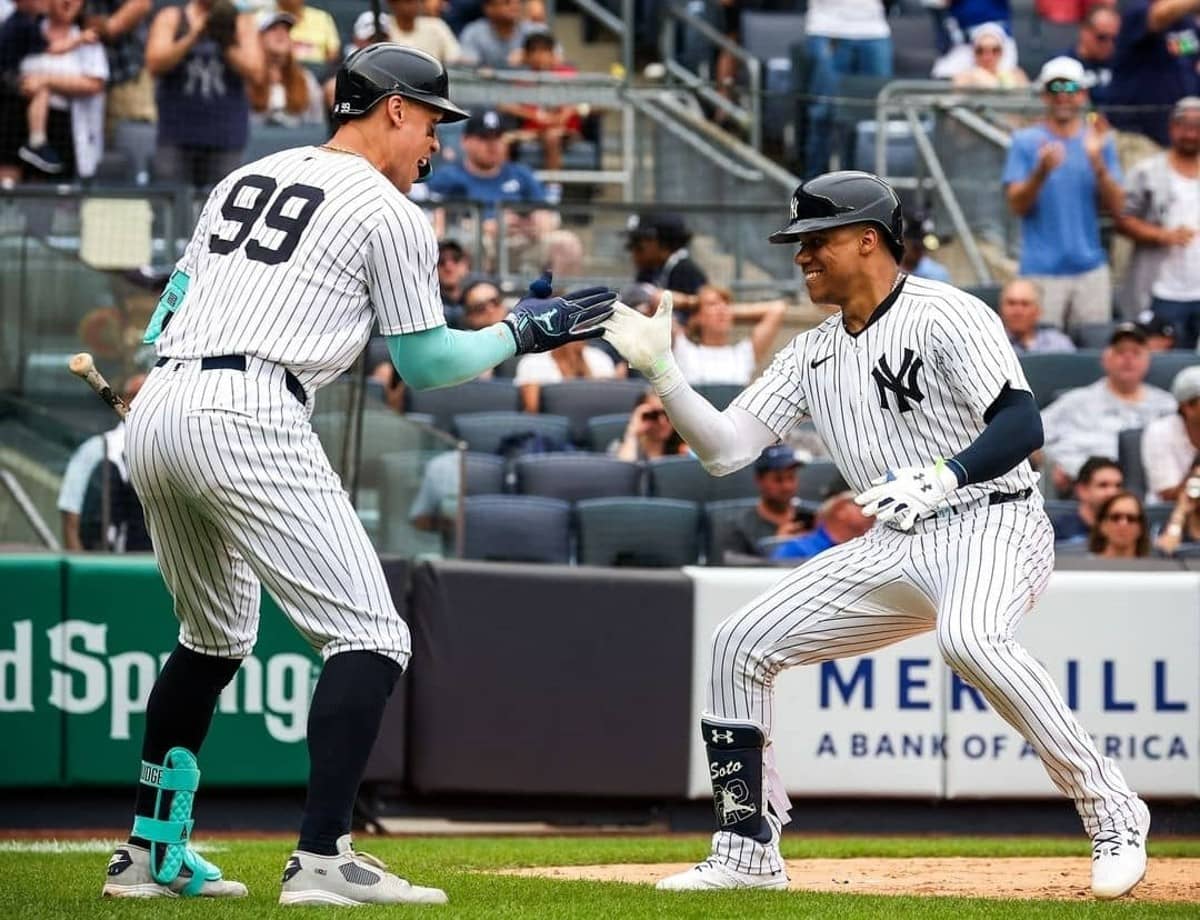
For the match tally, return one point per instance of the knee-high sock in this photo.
(343, 722)
(180, 710)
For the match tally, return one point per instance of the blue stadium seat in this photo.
(1164, 365)
(1093, 335)
(719, 394)
(602, 430)
(474, 396)
(686, 479)
(267, 139)
(814, 478)
(988, 293)
(580, 400)
(649, 532)
(516, 528)
(1129, 456)
(1052, 373)
(719, 518)
(486, 431)
(572, 477)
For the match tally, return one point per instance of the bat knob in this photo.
(81, 364)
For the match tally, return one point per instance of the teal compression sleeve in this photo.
(443, 356)
(171, 300)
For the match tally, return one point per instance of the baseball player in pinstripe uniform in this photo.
(293, 260)
(924, 407)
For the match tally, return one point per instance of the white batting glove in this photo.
(645, 342)
(904, 496)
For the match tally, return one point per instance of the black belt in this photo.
(238, 363)
(1003, 498)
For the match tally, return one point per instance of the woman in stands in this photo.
(649, 434)
(574, 361)
(1183, 527)
(705, 350)
(989, 70)
(1121, 530)
(290, 94)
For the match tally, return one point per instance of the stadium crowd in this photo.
(1113, 152)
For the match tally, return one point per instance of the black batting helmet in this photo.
(388, 69)
(840, 198)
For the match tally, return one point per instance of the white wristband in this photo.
(664, 375)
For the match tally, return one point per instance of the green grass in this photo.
(34, 886)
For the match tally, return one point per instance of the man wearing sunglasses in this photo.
(1095, 46)
(1060, 173)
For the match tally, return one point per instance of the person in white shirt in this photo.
(842, 37)
(705, 351)
(1170, 444)
(428, 33)
(1085, 422)
(1162, 217)
(575, 361)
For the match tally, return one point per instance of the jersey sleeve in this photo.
(777, 397)
(972, 351)
(401, 264)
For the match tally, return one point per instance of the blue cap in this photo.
(777, 457)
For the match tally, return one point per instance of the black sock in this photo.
(343, 722)
(179, 712)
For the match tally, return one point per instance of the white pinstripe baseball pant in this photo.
(969, 576)
(238, 491)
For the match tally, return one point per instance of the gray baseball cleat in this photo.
(129, 877)
(349, 879)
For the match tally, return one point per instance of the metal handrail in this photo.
(22, 500)
(750, 117)
(650, 109)
(622, 26)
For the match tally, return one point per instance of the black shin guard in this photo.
(735, 766)
(343, 723)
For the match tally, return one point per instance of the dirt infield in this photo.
(1176, 880)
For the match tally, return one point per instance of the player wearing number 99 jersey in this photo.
(292, 261)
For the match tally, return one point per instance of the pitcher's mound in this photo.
(1051, 879)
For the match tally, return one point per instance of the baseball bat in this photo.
(84, 367)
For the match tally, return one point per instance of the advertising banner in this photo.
(31, 586)
(1123, 647)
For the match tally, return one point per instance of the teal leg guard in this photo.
(177, 780)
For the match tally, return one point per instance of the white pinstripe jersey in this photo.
(911, 387)
(293, 258)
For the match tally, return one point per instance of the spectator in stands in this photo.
(315, 35)
(20, 36)
(454, 265)
(1100, 478)
(289, 95)
(918, 240)
(496, 39)
(704, 349)
(838, 520)
(1021, 311)
(1170, 443)
(1183, 526)
(1057, 171)
(1162, 217)
(1084, 422)
(1095, 47)
(658, 245)
(1121, 530)
(554, 127)
(430, 34)
(1154, 66)
(118, 25)
(61, 77)
(574, 361)
(778, 512)
(485, 174)
(649, 434)
(841, 37)
(439, 486)
(107, 446)
(1160, 335)
(989, 70)
(955, 25)
(364, 33)
(203, 54)
(483, 306)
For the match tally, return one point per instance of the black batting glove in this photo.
(540, 322)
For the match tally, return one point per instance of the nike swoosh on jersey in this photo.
(814, 363)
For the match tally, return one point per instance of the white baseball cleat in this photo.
(714, 875)
(1119, 857)
(349, 879)
(129, 876)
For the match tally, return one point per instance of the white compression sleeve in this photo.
(724, 441)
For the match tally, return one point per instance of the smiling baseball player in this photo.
(293, 260)
(924, 407)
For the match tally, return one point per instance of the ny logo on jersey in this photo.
(903, 382)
